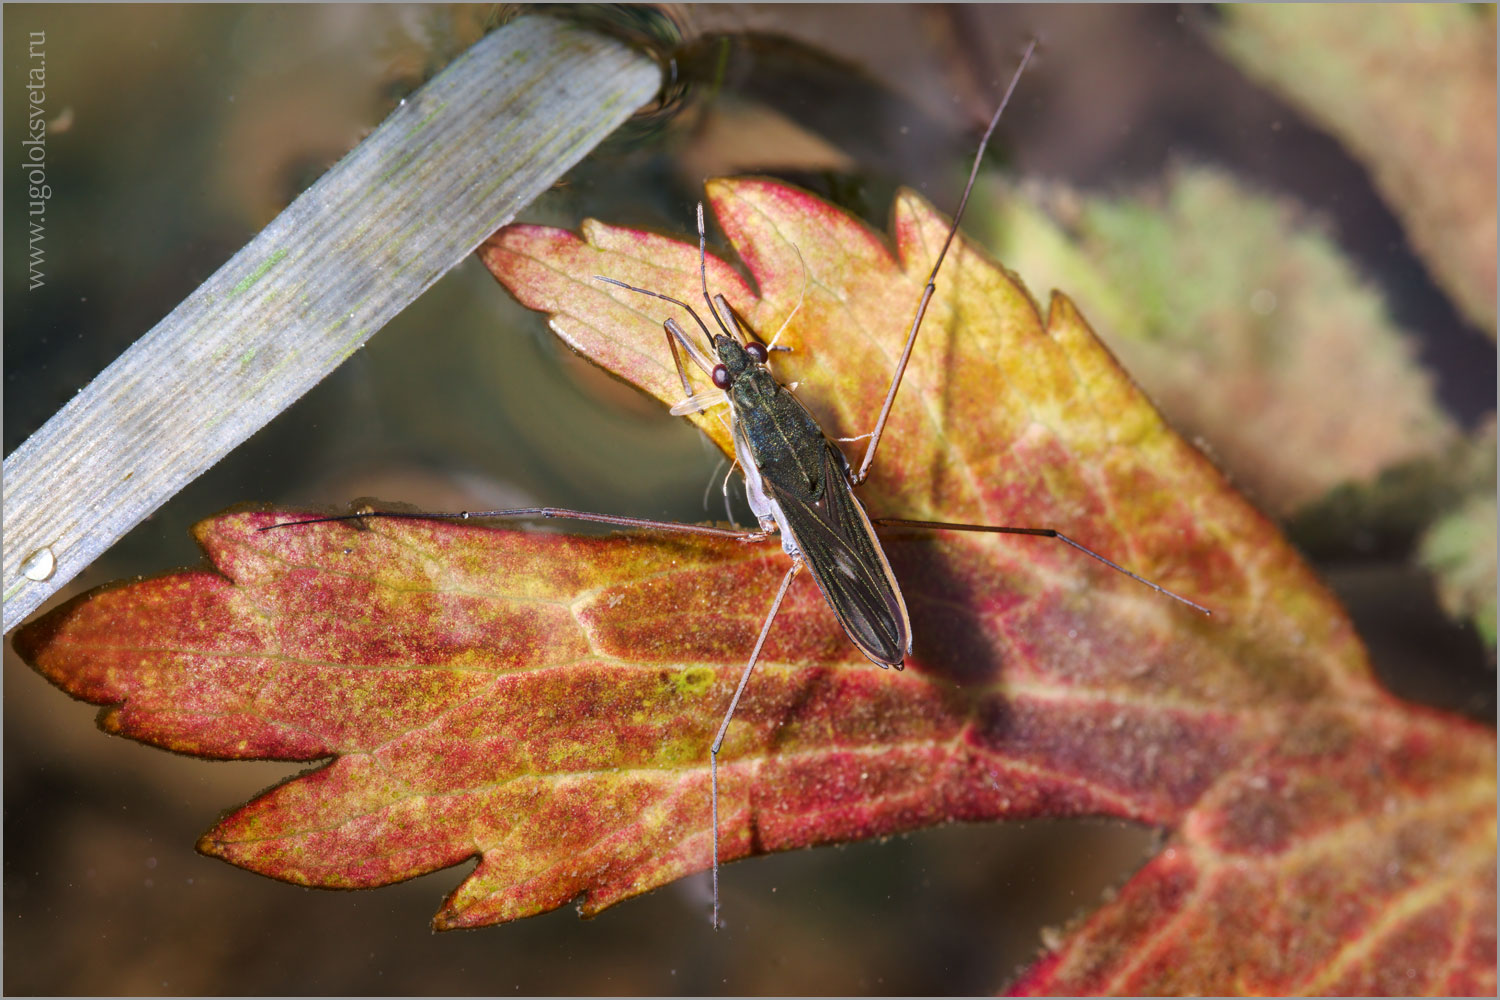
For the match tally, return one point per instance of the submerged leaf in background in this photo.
(1242, 319)
(1402, 502)
(1460, 550)
(1410, 90)
(1460, 546)
(545, 703)
(1205, 282)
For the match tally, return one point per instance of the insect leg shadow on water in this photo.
(797, 481)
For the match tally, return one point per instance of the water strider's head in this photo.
(735, 359)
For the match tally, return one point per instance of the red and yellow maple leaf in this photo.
(546, 702)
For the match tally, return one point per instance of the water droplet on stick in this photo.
(39, 565)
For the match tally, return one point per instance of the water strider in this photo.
(797, 481)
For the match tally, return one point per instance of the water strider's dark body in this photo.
(799, 481)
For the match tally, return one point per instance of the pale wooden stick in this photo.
(457, 160)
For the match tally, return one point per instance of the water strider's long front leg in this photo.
(678, 527)
(916, 323)
(901, 522)
(713, 753)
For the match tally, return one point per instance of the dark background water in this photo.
(192, 126)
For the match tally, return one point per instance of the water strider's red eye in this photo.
(757, 352)
(721, 377)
